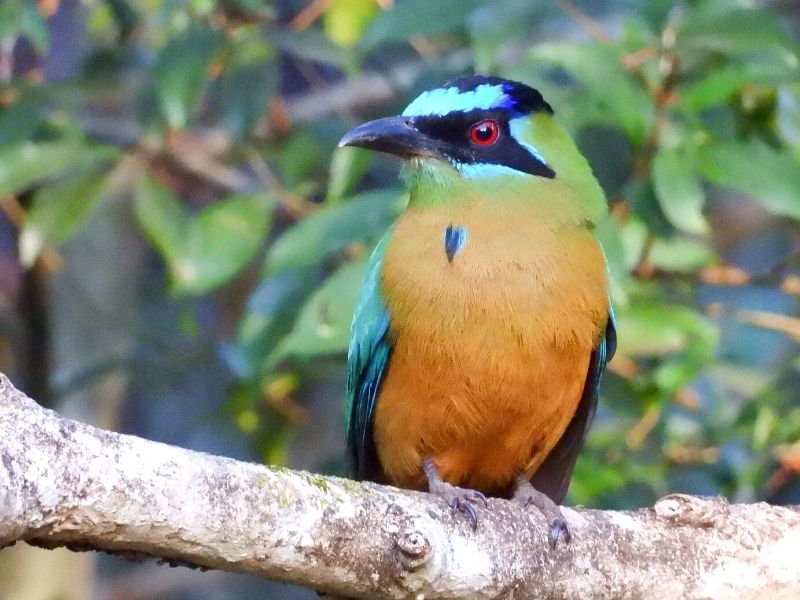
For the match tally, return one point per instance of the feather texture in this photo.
(484, 361)
(367, 357)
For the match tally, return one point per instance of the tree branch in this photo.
(63, 483)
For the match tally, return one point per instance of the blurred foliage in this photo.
(224, 116)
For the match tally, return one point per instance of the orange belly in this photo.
(490, 352)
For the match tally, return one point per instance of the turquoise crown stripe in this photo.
(442, 101)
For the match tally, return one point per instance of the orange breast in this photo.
(490, 351)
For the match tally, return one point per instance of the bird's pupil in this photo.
(484, 132)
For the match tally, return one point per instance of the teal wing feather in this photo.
(553, 476)
(367, 358)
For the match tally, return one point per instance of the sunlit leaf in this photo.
(345, 20)
(182, 70)
(678, 191)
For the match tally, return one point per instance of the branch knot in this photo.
(415, 549)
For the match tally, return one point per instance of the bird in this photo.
(483, 325)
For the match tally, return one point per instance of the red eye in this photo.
(484, 133)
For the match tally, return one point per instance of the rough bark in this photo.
(63, 483)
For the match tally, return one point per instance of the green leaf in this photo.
(680, 255)
(303, 156)
(632, 237)
(414, 18)
(323, 326)
(770, 176)
(718, 86)
(270, 315)
(311, 44)
(641, 197)
(678, 191)
(333, 228)
(181, 72)
(56, 211)
(249, 65)
(241, 110)
(714, 88)
(683, 340)
(615, 96)
(491, 29)
(730, 30)
(10, 11)
(651, 330)
(206, 250)
(22, 17)
(608, 233)
(161, 216)
(348, 166)
(33, 25)
(221, 240)
(20, 121)
(345, 20)
(24, 164)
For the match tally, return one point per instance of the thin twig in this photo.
(295, 204)
(585, 21)
(306, 17)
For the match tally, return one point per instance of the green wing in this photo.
(367, 357)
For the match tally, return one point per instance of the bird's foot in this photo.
(527, 495)
(463, 500)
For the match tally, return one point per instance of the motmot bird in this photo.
(484, 322)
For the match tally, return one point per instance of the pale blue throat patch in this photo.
(485, 170)
(442, 101)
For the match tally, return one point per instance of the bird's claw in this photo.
(558, 528)
(528, 496)
(481, 497)
(461, 500)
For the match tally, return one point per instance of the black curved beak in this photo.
(394, 135)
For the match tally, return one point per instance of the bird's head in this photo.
(483, 134)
